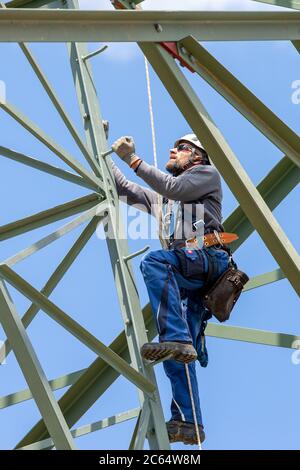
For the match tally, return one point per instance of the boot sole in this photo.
(176, 434)
(152, 352)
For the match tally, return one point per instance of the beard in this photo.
(173, 167)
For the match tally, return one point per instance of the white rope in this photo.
(159, 197)
(193, 405)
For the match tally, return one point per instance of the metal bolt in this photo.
(183, 50)
(86, 116)
(127, 321)
(158, 27)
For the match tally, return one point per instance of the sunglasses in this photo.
(186, 147)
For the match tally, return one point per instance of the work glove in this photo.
(124, 147)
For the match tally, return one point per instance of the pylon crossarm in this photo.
(274, 187)
(76, 329)
(98, 210)
(33, 372)
(239, 96)
(48, 216)
(42, 25)
(55, 278)
(45, 167)
(51, 144)
(87, 429)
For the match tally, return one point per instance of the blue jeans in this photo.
(180, 315)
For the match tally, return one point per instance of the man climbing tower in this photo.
(194, 255)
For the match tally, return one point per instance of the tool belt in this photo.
(219, 295)
(212, 239)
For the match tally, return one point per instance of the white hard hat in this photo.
(192, 139)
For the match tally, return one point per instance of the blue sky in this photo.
(249, 393)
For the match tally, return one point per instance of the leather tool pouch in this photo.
(223, 295)
(191, 264)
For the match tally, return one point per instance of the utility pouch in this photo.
(224, 293)
(191, 264)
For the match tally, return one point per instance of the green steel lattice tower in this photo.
(165, 38)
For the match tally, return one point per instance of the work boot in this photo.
(181, 431)
(181, 352)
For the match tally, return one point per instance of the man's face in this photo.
(180, 155)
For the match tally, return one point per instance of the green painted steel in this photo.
(241, 98)
(48, 216)
(267, 338)
(116, 242)
(98, 377)
(76, 329)
(279, 182)
(60, 232)
(226, 162)
(136, 26)
(33, 372)
(55, 278)
(59, 107)
(295, 4)
(264, 279)
(55, 384)
(93, 381)
(44, 167)
(87, 429)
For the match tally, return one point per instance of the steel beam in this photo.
(30, 3)
(33, 372)
(239, 96)
(116, 242)
(59, 107)
(45, 167)
(264, 279)
(98, 377)
(60, 232)
(297, 45)
(226, 162)
(76, 330)
(295, 4)
(278, 183)
(25, 395)
(49, 216)
(51, 144)
(33, 25)
(55, 278)
(87, 429)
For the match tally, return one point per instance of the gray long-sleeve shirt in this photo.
(201, 183)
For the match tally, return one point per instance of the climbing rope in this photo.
(158, 212)
(159, 220)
